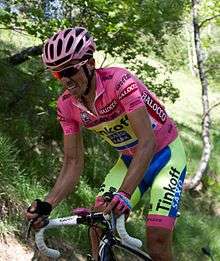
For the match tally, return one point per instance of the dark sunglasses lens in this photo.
(69, 72)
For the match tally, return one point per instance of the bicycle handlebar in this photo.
(126, 239)
(39, 236)
(73, 220)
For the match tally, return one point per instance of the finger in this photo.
(32, 208)
(30, 216)
(117, 213)
(100, 204)
(125, 209)
(39, 223)
(110, 206)
(120, 206)
(38, 226)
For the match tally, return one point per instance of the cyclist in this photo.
(115, 104)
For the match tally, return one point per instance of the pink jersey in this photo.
(118, 93)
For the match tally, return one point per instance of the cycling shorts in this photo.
(164, 176)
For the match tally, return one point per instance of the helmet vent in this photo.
(58, 62)
(59, 47)
(46, 50)
(78, 47)
(55, 36)
(66, 32)
(51, 51)
(69, 44)
(87, 36)
(90, 52)
(79, 31)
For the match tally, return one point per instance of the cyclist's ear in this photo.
(91, 63)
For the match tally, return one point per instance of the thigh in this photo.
(167, 187)
(114, 179)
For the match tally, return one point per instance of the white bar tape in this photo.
(39, 236)
(126, 239)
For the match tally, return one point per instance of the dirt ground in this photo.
(12, 250)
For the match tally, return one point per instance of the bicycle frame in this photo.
(106, 253)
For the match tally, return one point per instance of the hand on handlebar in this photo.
(38, 213)
(119, 204)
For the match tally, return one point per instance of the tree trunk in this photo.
(206, 122)
(191, 49)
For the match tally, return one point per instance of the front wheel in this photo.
(106, 253)
(124, 252)
(117, 251)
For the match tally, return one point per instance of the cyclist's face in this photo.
(73, 78)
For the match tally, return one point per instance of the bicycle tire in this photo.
(107, 254)
(120, 252)
(128, 253)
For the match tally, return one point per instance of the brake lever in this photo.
(28, 231)
(30, 223)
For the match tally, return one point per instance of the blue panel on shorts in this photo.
(178, 191)
(159, 160)
(127, 160)
(157, 163)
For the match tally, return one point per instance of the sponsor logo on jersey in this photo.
(116, 133)
(108, 108)
(128, 90)
(172, 192)
(124, 78)
(84, 117)
(154, 107)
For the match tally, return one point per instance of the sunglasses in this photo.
(69, 71)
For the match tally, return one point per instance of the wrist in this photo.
(124, 193)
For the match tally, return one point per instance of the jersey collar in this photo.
(99, 91)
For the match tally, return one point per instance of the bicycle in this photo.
(109, 244)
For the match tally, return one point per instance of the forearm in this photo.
(138, 166)
(66, 181)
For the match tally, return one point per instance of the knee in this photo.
(159, 243)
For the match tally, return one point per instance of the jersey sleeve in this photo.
(69, 125)
(128, 92)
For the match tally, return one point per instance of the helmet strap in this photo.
(89, 77)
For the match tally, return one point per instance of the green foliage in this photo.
(106, 19)
(175, 51)
(156, 77)
(99, 158)
(211, 43)
(197, 229)
(8, 162)
(119, 29)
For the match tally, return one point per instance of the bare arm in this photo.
(145, 150)
(71, 170)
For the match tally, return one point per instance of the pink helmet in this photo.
(71, 43)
